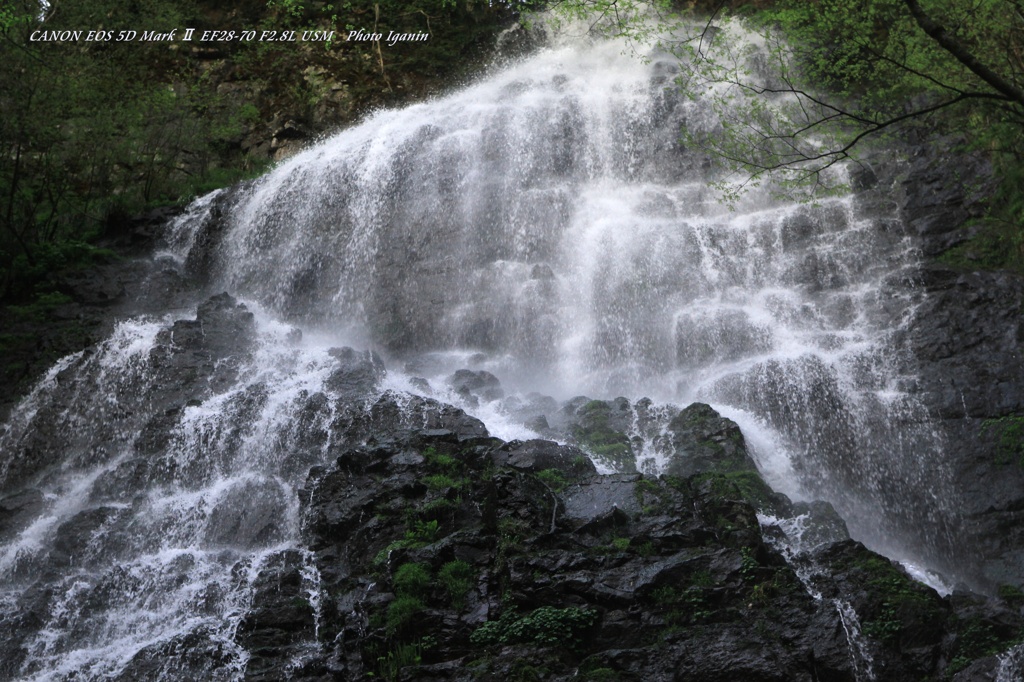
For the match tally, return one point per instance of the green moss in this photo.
(402, 611)
(400, 655)
(657, 498)
(594, 434)
(420, 534)
(740, 485)
(905, 611)
(443, 482)
(1010, 434)
(645, 549)
(976, 639)
(1011, 594)
(440, 462)
(997, 242)
(439, 507)
(681, 606)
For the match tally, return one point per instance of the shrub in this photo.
(457, 579)
(412, 580)
(546, 626)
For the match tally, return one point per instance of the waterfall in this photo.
(545, 224)
(549, 222)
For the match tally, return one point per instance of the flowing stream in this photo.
(545, 224)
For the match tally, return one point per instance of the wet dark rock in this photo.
(248, 516)
(195, 655)
(421, 384)
(281, 624)
(862, 177)
(71, 544)
(967, 341)
(703, 440)
(18, 626)
(358, 373)
(462, 550)
(724, 335)
(17, 511)
(398, 417)
(535, 411)
(196, 358)
(601, 428)
(201, 264)
(942, 191)
(538, 423)
(541, 455)
(823, 525)
(481, 384)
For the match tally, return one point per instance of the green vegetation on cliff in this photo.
(97, 128)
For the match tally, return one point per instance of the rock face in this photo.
(445, 554)
(431, 550)
(968, 345)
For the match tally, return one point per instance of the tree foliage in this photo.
(799, 85)
(90, 129)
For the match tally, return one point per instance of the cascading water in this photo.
(549, 219)
(545, 224)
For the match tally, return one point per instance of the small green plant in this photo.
(748, 565)
(703, 579)
(412, 584)
(412, 579)
(401, 612)
(457, 579)
(554, 479)
(681, 607)
(440, 505)
(423, 531)
(438, 461)
(441, 482)
(1011, 594)
(420, 534)
(290, 8)
(1010, 432)
(975, 639)
(546, 626)
(400, 656)
(886, 626)
(621, 544)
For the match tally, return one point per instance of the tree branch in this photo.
(962, 54)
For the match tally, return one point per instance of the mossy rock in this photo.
(894, 609)
(704, 441)
(740, 485)
(596, 430)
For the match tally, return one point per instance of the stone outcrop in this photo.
(445, 554)
(967, 345)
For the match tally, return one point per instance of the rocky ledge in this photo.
(445, 554)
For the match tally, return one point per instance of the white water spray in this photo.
(544, 224)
